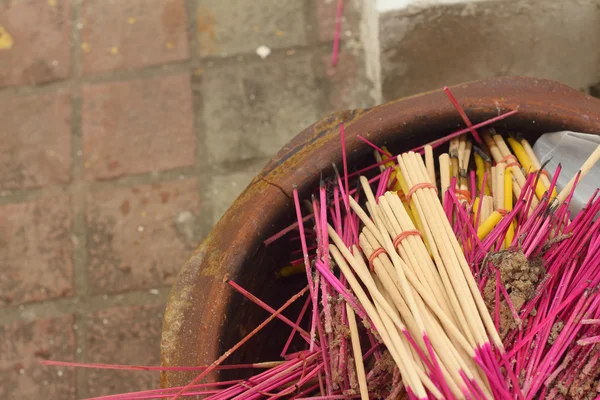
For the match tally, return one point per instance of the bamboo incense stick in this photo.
(499, 191)
(464, 165)
(391, 339)
(429, 162)
(494, 177)
(439, 239)
(360, 367)
(386, 270)
(508, 206)
(504, 155)
(446, 351)
(444, 173)
(451, 239)
(585, 168)
(453, 152)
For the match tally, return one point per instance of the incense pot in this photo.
(204, 317)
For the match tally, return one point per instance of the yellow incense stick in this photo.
(290, 270)
(490, 223)
(480, 172)
(508, 206)
(476, 209)
(527, 164)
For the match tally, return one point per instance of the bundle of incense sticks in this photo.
(465, 278)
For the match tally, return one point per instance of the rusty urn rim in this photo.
(197, 309)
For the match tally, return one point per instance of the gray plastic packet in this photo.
(570, 149)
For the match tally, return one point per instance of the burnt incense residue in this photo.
(555, 331)
(520, 277)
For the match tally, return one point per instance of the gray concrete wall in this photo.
(425, 44)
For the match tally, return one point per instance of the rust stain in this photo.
(205, 23)
(164, 197)
(125, 207)
(112, 165)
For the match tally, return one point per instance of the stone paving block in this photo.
(35, 140)
(326, 11)
(35, 249)
(35, 41)
(123, 335)
(119, 34)
(137, 126)
(139, 237)
(230, 27)
(250, 110)
(23, 345)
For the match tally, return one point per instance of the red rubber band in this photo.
(510, 157)
(463, 195)
(401, 196)
(422, 185)
(513, 164)
(502, 211)
(404, 235)
(374, 255)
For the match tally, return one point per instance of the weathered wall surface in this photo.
(425, 44)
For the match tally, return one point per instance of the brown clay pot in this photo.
(204, 318)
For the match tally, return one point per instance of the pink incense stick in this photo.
(240, 343)
(374, 146)
(463, 115)
(337, 35)
(439, 142)
(268, 308)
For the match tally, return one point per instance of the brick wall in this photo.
(128, 127)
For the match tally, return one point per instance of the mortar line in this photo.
(78, 191)
(26, 195)
(9, 196)
(191, 12)
(173, 68)
(23, 195)
(201, 166)
(82, 305)
(81, 389)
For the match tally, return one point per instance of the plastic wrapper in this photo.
(570, 149)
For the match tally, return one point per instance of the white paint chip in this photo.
(263, 51)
